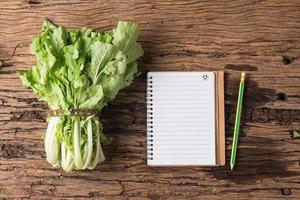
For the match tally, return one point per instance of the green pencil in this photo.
(237, 121)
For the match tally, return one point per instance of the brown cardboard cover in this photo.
(220, 119)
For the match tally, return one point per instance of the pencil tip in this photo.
(243, 74)
(231, 167)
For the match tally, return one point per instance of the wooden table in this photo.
(259, 37)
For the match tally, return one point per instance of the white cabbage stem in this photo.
(99, 156)
(52, 146)
(67, 162)
(79, 164)
(89, 144)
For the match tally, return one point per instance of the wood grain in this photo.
(260, 37)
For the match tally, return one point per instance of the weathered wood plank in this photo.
(260, 37)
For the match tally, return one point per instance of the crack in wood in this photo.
(8, 151)
(287, 60)
(15, 49)
(123, 191)
(32, 2)
(241, 67)
(286, 191)
(183, 53)
(29, 116)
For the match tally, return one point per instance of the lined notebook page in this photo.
(181, 118)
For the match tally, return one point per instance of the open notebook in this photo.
(185, 118)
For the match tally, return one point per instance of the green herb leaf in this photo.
(296, 134)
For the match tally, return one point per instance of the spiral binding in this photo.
(150, 118)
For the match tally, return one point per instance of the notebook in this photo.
(185, 118)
